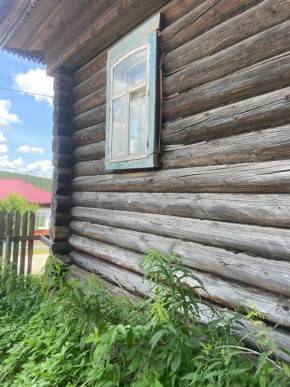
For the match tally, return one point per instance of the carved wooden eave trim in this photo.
(24, 54)
(17, 24)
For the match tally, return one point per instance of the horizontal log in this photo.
(60, 248)
(268, 144)
(124, 279)
(91, 68)
(266, 177)
(199, 20)
(90, 135)
(264, 210)
(177, 9)
(249, 52)
(91, 117)
(273, 307)
(249, 23)
(62, 160)
(60, 128)
(63, 98)
(267, 109)
(269, 241)
(60, 188)
(90, 85)
(90, 101)
(59, 233)
(62, 144)
(63, 81)
(244, 84)
(275, 276)
(60, 219)
(94, 151)
(61, 203)
(63, 175)
(62, 114)
(279, 336)
(90, 168)
(105, 29)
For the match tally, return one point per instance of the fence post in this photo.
(9, 229)
(2, 228)
(31, 242)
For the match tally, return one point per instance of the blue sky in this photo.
(25, 119)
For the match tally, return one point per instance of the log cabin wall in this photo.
(221, 199)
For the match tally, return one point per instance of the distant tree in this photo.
(15, 202)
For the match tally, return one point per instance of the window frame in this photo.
(145, 36)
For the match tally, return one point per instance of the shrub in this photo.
(59, 333)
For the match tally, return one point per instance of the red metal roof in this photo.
(32, 193)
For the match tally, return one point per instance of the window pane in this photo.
(137, 124)
(130, 72)
(118, 127)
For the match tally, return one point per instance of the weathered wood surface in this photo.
(178, 9)
(62, 129)
(62, 145)
(273, 307)
(90, 135)
(266, 177)
(61, 218)
(91, 101)
(269, 241)
(199, 20)
(61, 203)
(94, 151)
(91, 68)
(280, 337)
(268, 144)
(267, 109)
(249, 23)
(63, 81)
(63, 175)
(62, 98)
(248, 52)
(59, 233)
(94, 84)
(91, 117)
(102, 32)
(62, 114)
(63, 160)
(257, 272)
(256, 79)
(61, 188)
(264, 210)
(90, 168)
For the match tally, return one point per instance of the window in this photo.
(132, 90)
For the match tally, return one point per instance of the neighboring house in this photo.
(171, 132)
(33, 195)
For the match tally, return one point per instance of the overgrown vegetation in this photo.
(41, 182)
(59, 333)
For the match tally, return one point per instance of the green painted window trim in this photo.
(147, 33)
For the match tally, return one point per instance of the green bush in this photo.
(59, 333)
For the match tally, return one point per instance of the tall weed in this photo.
(59, 333)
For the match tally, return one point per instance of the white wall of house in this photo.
(42, 218)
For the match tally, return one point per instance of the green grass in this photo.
(41, 182)
(59, 333)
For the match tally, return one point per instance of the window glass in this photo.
(138, 121)
(130, 72)
(119, 126)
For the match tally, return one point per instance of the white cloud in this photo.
(5, 116)
(39, 168)
(3, 143)
(43, 167)
(36, 81)
(30, 149)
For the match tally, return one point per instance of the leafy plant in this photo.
(55, 331)
(15, 202)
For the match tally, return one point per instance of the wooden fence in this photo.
(17, 239)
